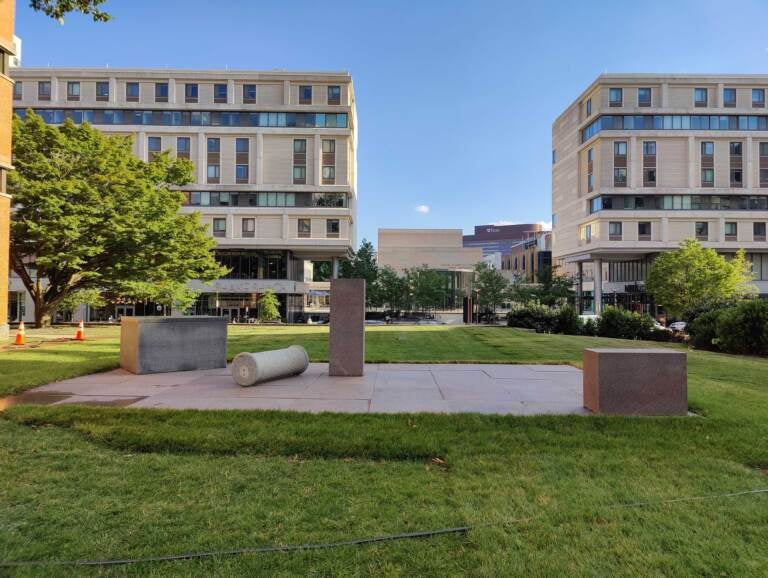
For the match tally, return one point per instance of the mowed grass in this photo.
(548, 496)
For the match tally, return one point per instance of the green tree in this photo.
(169, 293)
(426, 288)
(693, 278)
(553, 288)
(88, 214)
(491, 288)
(269, 306)
(57, 9)
(363, 265)
(92, 297)
(392, 289)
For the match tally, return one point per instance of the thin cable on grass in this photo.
(345, 543)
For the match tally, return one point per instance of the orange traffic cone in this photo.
(80, 335)
(21, 335)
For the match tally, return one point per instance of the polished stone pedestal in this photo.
(347, 333)
(636, 381)
(163, 344)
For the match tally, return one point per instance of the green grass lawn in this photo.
(543, 492)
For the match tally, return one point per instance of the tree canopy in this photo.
(57, 9)
(363, 265)
(693, 278)
(269, 306)
(88, 214)
(491, 288)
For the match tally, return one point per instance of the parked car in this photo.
(657, 325)
(677, 326)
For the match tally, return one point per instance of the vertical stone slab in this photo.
(636, 381)
(347, 339)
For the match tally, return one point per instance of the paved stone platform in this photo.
(385, 388)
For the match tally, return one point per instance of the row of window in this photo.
(265, 199)
(619, 271)
(700, 97)
(191, 118)
(248, 227)
(674, 122)
(191, 92)
(678, 203)
(701, 229)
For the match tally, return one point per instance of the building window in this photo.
(299, 161)
(73, 91)
(731, 231)
(214, 160)
(329, 161)
(214, 173)
(615, 97)
(334, 95)
(589, 106)
(554, 156)
(190, 92)
(707, 149)
(17, 90)
(305, 94)
(620, 149)
(161, 92)
(644, 231)
(242, 146)
(702, 230)
(102, 91)
(735, 148)
(182, 147)
(44, 90)
(154, 145)
(249, 227)
(707, 177)
(758, 231)
(700, 97)
(220, 93)
(329, 175)
(649, 177)
(643, 97)
(736, 164)
(219, 227)
(214, 145)
(590, 183)
(737, 178)
(590, 155)
(614, 231)
(132, 91)
(620, 177)
(649, 148)
(758, 98)
(305, 228)
(729, 97)
(249, 94)
(332, 228)
(587, 237)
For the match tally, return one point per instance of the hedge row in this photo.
(741, 328)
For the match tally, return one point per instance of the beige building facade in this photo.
(642, 162)
(442, 249)
(275, 164)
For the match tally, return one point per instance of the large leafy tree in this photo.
(88, 214)
(57, 9)
(426, 287)
(490, 287)
(269, 306)
(693, 278)
(392, 289)
(363, 265)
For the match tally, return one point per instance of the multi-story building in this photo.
(526, 259)
(644, 161)
(500, 238)
(7, 51)
(275, 160)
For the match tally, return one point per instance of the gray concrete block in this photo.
(347, 332)
(163, 344)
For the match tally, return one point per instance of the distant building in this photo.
(526, 259)
(500, 238)
(439, 249)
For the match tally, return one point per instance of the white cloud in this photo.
(423, 209)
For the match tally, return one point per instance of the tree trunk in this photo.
(42, 312)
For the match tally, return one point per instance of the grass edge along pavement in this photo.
(85, 482)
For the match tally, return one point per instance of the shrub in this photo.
(538, 317)
(623, 324)
(589, 328)
(744, 328)
(657, 334)
(567, 321)
(703, 329)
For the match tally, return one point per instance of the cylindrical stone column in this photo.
(254, 368)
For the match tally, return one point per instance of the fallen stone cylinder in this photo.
(254, 368)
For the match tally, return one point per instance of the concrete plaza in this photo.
(385, 388)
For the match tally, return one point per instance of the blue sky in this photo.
(455, 99)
